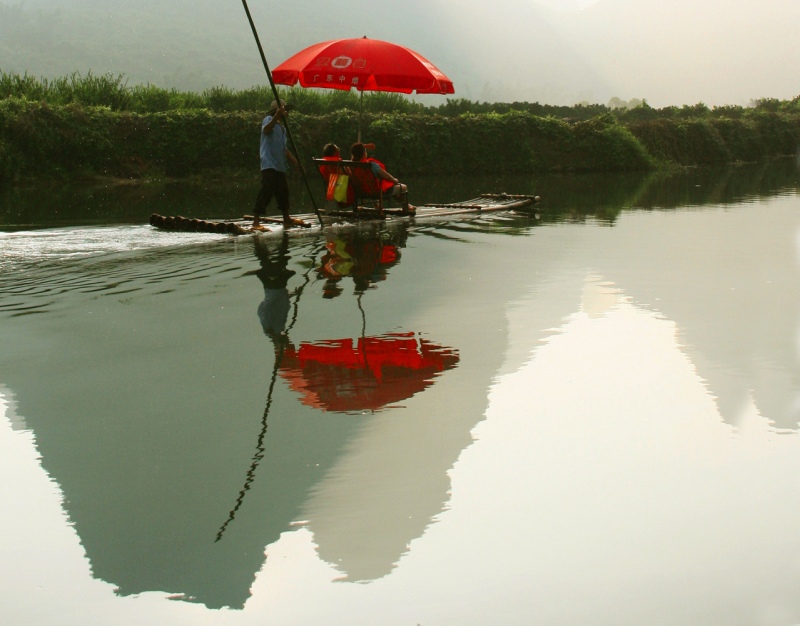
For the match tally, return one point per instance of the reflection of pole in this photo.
(376, 261)
(363, 316)
(250, 475)
(363, 331)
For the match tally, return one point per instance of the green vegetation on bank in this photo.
(88, 126)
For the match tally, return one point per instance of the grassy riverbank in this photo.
(98, 127)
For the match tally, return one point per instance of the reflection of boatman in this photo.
(274, 274)
(365, 262)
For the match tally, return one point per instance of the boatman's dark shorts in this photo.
(273, 183)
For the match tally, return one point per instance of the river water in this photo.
(586, 415)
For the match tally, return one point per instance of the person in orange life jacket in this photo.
(274, 158)
(390, 185)
(331, 152)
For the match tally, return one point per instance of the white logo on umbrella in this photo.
(341, 62)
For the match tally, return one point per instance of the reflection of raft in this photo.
(485, 203)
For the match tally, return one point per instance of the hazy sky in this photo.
(565, 5)
(669, 52)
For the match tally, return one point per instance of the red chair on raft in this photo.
(364, 186)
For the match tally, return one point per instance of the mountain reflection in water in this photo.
(147, 437)
(181, 418)
(353, 376)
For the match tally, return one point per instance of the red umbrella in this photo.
(368, 374)
(365, 65)
(362, 64)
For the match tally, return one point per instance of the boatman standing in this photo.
(274, 159)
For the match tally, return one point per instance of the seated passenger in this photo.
(331, 152)
(389, 184)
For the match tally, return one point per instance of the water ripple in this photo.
(38, 267)
(27, 247)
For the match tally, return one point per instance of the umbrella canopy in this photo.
(362, 64)
(368, 374)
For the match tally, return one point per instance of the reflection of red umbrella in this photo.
(362, 64)
(368, 374)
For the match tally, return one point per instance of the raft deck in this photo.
(484, 203)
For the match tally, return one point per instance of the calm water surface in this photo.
(584, 416)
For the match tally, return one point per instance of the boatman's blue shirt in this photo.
(273, 147)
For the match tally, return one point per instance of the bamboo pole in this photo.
(278, 100)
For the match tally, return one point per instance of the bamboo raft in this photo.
(485, 203)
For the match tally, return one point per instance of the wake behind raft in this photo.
(485, 203)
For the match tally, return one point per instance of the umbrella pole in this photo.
(360, 114)
(278, 99)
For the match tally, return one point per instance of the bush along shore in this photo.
(85, 128)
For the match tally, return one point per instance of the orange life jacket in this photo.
(351, 198)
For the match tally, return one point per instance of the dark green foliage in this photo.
(514, 142)
(602, 144)
(151, 99)
(113, 92)
(459, 106)
(36, 138)
(719, 139)
(98, 126)
(108, 90)
(87, 141)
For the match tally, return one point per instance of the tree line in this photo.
(97, 126)
(113, 91)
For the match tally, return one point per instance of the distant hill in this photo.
(676, 52)
(188, 44)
